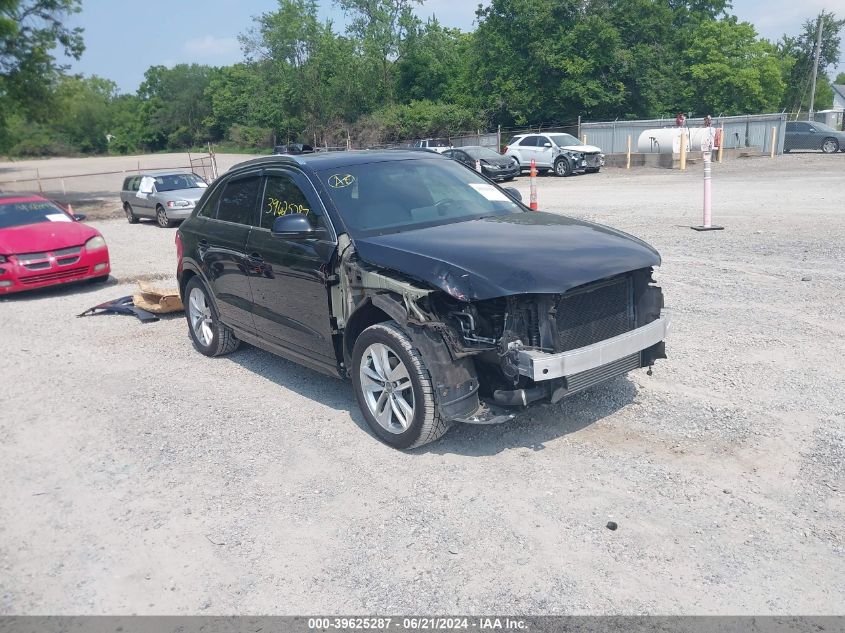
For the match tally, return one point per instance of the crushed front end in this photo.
(535, 347)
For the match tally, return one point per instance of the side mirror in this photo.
(513, 193)
(294, 226)
(79, 217)
(547, 144)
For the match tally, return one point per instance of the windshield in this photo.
(438, 143)
(31, 212)
(481, 152)
(179, 181)
(398, 195)
(564, 140)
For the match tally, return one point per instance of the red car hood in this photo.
(44, 236)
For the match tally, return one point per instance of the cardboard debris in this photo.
(157, 300)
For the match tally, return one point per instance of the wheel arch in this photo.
(365, 315)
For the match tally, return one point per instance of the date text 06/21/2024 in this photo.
(418, 624)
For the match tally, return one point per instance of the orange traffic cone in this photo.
(532, 177)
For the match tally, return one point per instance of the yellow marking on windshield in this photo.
(338, 181)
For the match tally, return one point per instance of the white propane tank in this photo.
(667, 140)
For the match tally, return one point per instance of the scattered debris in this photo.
(157, 300)
(612, 525)
(123, 305)
(806, 278)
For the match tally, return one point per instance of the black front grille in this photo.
(594, 313)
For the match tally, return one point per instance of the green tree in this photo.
(431, 63)
(379, 26)
(30, 30)
(729, 70)
(84, 113)
(307, 80)
(174, 108)
(840, 79)
(801, 50)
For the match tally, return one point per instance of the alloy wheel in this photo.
(562, 167)
(201, 320)
(387, 388)
(161, 218)
(829, 146)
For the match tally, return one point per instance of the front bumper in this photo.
(16, 277)
(179, 213)
(500, 174)
(541, 366)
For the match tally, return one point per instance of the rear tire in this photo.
(209, 335)
(384, 361)
(830, 146)
(130, 215)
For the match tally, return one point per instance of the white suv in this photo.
(563, 153)
(438, 145)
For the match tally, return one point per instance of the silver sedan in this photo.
(163, 197)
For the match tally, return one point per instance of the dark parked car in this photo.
(293, 148)
(434, 290)
(493, 165)
(812, 135)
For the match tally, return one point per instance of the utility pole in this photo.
(816, 64)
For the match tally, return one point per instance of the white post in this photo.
(707, 224)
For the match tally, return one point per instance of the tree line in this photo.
(390, 76)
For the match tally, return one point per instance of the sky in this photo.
(124, 38)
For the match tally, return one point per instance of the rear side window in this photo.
(282, 196)
(126, 183)
(237, 203)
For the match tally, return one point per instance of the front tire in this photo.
(830, 146)
(393, 388)
(209, 335)
(562, 168)
(162, 219)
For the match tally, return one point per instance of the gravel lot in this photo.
(141, 477)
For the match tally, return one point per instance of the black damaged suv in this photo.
(439, 294)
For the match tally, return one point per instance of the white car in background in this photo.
(562, 153)
(438, 145)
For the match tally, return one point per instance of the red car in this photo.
(42, 244)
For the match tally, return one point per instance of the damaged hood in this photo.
(522, 253)
(586, 149)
